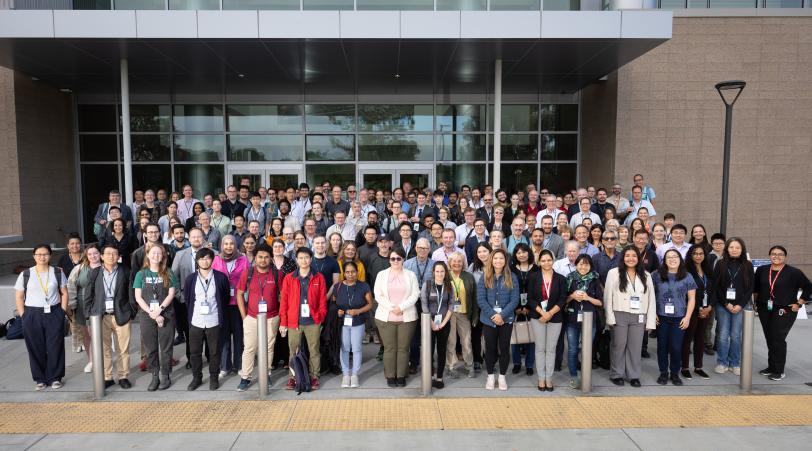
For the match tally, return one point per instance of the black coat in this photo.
(123, 303)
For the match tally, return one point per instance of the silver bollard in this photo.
(97, 356)
(262, 353)
(425, 353)
(746, 376)
(586, 352)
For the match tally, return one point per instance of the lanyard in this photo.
(188, 204)
(319, 268)
(109, 290)
(350, 296)
(632, 281)
(44, 286)
(545, 288)
(262, 282)
(422, 273)
(733, 277)
(230, 266)
(254, 216)
(439, 296)
(154, 284)
(205, 285)
(217, 223)
(458, 284)
(772, 281)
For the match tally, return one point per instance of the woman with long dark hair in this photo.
(547, 292)
(482, 252)
(700, 236)
(676, 292)
(437, 298)
(523, 267)
(734, 283)
(700, 268)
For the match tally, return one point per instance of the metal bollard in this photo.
(262, 356)
(97, 356)
(586, 352)
(746, 382)
(425, 353)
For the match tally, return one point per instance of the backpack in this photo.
(275, 274)
(98, 228)
(27, 275)
(299, 365)
(14, 328)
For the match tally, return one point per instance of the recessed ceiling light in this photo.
(66, 90)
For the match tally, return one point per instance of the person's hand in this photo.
(736, 309)
(102, 221)
(499, 320)
(154, 314)
(160, 321)
(434, 326)
(341, 313)
(795, 307)
(396, 310)
(283, 331)
(730, 308)
(684, 322)
(658, 320)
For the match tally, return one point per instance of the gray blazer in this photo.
(182, 266)
(556, 246)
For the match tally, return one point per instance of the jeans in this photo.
(669, 344)
(529, 355)
(351, 337)
(231, 355)
(574, 347)
(729, 339)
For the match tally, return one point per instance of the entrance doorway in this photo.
(389, 176)
(277, 176)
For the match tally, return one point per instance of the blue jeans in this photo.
(574, 347)
(669, 344)
(529, 355)
(351, 337)
(729, 340)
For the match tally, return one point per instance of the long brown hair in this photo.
(162, 271)
(490, 280)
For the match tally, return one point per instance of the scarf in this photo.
(575, 281)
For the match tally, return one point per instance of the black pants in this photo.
(45, 342)
(231, 340)
(414, 349)
(439, 341)
(776, 325)
(195, 342)
(476, 341)
(559, 347)
(497, 345)
(182, 323)
(157, 343)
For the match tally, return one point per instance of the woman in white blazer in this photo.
(396, 291)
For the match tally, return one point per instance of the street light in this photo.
(729, 91)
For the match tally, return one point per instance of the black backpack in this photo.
(250, 276)
(57, 272)
(299, 365)
(14, 328)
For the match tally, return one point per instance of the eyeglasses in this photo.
(351, 191)
(422, 248)
(778, 255)
(609, 239)
(42, 255)
(395, 259)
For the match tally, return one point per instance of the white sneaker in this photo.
(737, 370)
(720, 369)
(89, 367)
(223, 374)
(489, 383)
(354, 381)
(345, 382)
(502, 383)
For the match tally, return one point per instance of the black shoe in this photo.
(652, 334)
(635, 383)
(530, 371)
(809, 384)
(214, 382)
(699, 372)
(125, 383)
(685, 373)
(777, 376)
(178, 340)
(194, 384)
(412, 369)
(335, 370)
(766, 371)
(557, 368)
(676, 380)
(517, 369)
(188, 366)
(709, 351)
(401, 381)
(391, 382)
(618, 381)
(477, 367)
(153, 385)
(550, 388)
(663, 379)
(165, 383)
(437, 384)
(108, 384)
(644, 354)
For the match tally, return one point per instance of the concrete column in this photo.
(125, 134)
(497, 126)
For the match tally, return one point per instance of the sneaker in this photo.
(244, 383)
(502, 382)
(471, 373)
(89, 367)
(56, 385)
(345, 382)
(354, 381)
(223, 373)
(376, 339)
(701, 373)
(685, 373)
(40, 387)
(676, 380)
(291, 384)
(720, 369)
(777, 377)
(314, 383)
(78, 349)
(737, 370)
(489, 383)
(766, 372)
(575, 383)
(452, 374)
(663, 379)
(365, 340)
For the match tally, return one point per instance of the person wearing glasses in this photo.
(777, 301)
(676, 298)
(486, 210)
(396, 291)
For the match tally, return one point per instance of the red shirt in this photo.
(260, 283)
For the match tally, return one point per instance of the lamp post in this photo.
(729, 91)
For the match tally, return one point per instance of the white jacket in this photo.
(616, 301)
(409, 300)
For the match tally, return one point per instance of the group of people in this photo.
(504, 277)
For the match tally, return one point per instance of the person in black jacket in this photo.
(777, 302)
(733, 282)
(699, 266)
(206, 293)
(546, 295)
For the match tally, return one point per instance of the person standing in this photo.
(78, 280)
(465, 315)
(233, 264)
(733, 278)
(546, 294)
(523, 266)
(699, 267)
(183, 265)
(676, 291)
(41, 300)
(436, 299)
(67, 262)
(354, 301)
(584, 294)
(777, 301)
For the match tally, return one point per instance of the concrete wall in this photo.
(670, 127)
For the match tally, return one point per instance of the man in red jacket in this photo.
(302, 309)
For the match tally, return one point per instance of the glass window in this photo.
(395, 147)
(97, 181)
(198, 118)
(328, 4)
(330, 118)
(673, 4)
(561, 5)
(337, 174)
(559, 147)
(330, 147)
(139, 4)
(91, 4)
(261, 4)
(395, 118)
(516, 118)
(461, 5)
(194, 4)
(461, 147)
(460, 118)
(149, 118)
(265, 147)
(97, 118)
(97, 147)
(515, 177)
(697, 3)
(515, 5)
(402, 5)
(517, 147)
(377, 181)
(150, 148)
(559, 177)
(152, 176)
(562, 118)
(456, 175)
(783, 3)
(199, 148)
(733, 3)
(204, 178)
(265, 118)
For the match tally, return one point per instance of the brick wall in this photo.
(10, 223)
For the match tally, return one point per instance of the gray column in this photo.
(497, 126)
(125, 135)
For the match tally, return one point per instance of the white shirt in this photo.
(683, 250)
(347, 231)
(578, 218)
(563, 266)
(552, 213)
(35, 297)
(441, 255)
(205, 293)
(636, 206)
(186, 209)
(620, 205)
(299, 208)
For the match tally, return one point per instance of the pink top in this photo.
(233, 270)
(397, 291)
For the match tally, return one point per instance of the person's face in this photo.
(637, 194)
(349, 252)
(300, 241)
(335, 241)
(115, 198)
(350, 273)
(616, 189)
(514, 200)
(638, 181)
(496, 239)
(411, 198)
(161, 195)
(533, 196)
(734, 249)
(609, 240)
(498, 261)
(590, 191)
(207, 201)
(319, 245)
(303, 192)
(155, 255)
(255, 200)
(284, 208)
(572, 253)
(521, 256)
(623, 235)
(547, 225)
(356, 210)
(601, 196)
(153, 233)
(698, 234)
(383, 246)
(501, 196)
(488, 200)
(110, 256)
(609, 214)
(640, 241)
(118, 227)
(777, 257)
(310, 227)
(74, 245)
(584, 203)
(498, 213)
(482, 254)
(379, 196)
(448, 239)
(469, 217)
(559, 202)
(115, 214)
(149, 196)
(562, 220)
(336, 193)
(204, 263)
(271, 195)
(455, 264)
(672, 260)
(581, 235)
(643, 215)
(439, 274)
(405, 233)
(278, 249)
(239, 222)
(351, 191)
(172, 209)
(396, 261)
(718, 245)
(174, 197)
(204, 220)
(187, 192)
(537, 237)
(197, 209)
(178, 234)
(479, 227)
(231, 192)
(244, 193)
(436, 231)
(517, 227)
(290, 195)
(428, 221)
(369, 236)
(595, 234)
(453, 198)
(253, 228)
(340, 218)
(216, 206)
(583, 267)
(195, 238)
(546, 262)
(630, 259)
(476, 194)
(698, 256)
(262, 260)
(93, 255)
(678, 236)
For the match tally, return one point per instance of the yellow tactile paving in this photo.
(406, 414)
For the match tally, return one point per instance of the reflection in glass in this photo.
(561, 5)
(265, 118)
(97, 118)
(733, 3)
(518, 147)
(395, 147)
(198, 118)
(283, 181)
(516, 177)
(456, 175)
(676, 4)
(330, 118)
(782, 3)
(254, 179)
(559, 147)
(461, 147)
(194, 4)
(395, 118)
(97, 147)
(150, 148)
(377, 181)
(559, 117)
(149, 118)
(461, 5)
(152, 176)
(91, 4)
(516, 118)
(199, 147)
(330, 147)
(261, 4)
(515, 5)
(402, 5)
(97, 181)
(139, 4)
(204, 178)
(460, 118)
(265, 147)
(559, 177)
(336, 174)
(328, 4)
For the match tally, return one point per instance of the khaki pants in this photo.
(396, 338)
(251, 343)
(122, 335)
(460, 324)
(313, 334)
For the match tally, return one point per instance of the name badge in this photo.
(580, 317)
(205, 308)
(438, 319)
(634, 302)
(153, 305)
(497, 309)
(457, 308)
(641, 319)
(731, 294)
(231, 293)
(347, 320)
(669, 309)
(47, 308)
(705, 300)
(304, 311)
(523, 298)
(770, 305)
(544, 305)
(416, 227)
(119, 259)
(108, 305)
(262, 307)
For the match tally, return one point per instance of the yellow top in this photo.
(459, 289)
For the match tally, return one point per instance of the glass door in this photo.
(277, 176)
(389, 176)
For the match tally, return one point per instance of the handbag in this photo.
(522, 333)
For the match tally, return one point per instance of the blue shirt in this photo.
(497, 296)
(673, 291)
